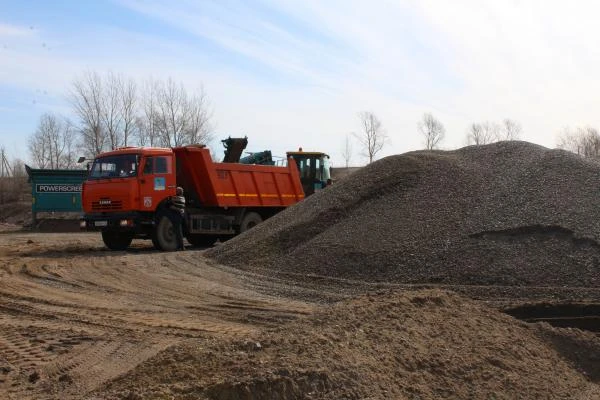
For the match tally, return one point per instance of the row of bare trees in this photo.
(433, 131)
(114, 111)
(584, 141)
(372, 137)
(53, 143)
(488, 132)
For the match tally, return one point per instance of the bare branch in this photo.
(482, 133)
(511, 130)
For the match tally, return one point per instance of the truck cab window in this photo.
(160, 165)
(149, 166)
(157, 165)
(123, 166)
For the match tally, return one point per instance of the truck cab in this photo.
(123, 190)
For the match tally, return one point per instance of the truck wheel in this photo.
(199, 240)
(116, 240)
(164, 235)
(250, 220)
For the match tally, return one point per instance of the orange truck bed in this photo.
(236, 185)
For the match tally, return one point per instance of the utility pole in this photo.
(4, 172)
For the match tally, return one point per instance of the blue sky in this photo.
(296, 73)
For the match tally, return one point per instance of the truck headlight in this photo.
(82, 224)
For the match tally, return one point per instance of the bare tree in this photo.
(591, 142)
(13, 181)
(118, 109)
(52, 144)
(584, 141)
(491, 131)
(432, 130)
(69, 134)
(38, 149)
(19, 179)
(86, 98)
(199, 129)
(106, 107)
(482, 133)
(111, 109)
(511, 130)
(18, 168)
(347, 150)
(181, 119)
(568, 140)
(147, 122)
(111, 113)
(372, 136)
(171, 116)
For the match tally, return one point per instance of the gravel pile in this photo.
(509, 213)
(412, 345)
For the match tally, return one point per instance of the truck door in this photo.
(157, 181)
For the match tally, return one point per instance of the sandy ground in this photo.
(74, 315)
(79, 321)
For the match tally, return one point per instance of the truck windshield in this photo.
(123, 166)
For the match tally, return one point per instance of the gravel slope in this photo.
(509, 213)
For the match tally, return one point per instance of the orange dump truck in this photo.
(127, 191)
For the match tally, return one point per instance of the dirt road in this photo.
(73, 315)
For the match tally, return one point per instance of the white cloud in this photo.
(9, 30)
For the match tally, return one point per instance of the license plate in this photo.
(101, 223)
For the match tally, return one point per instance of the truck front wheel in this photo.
(116, 240)
(164, 237)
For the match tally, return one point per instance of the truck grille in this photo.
(104, 205)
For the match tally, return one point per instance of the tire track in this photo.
(73, 319)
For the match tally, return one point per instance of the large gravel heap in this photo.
(509, 213)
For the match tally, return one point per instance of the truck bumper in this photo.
(129, 221)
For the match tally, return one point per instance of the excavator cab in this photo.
(314, 169)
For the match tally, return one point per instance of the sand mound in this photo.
(509, 213)
(421, 345)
